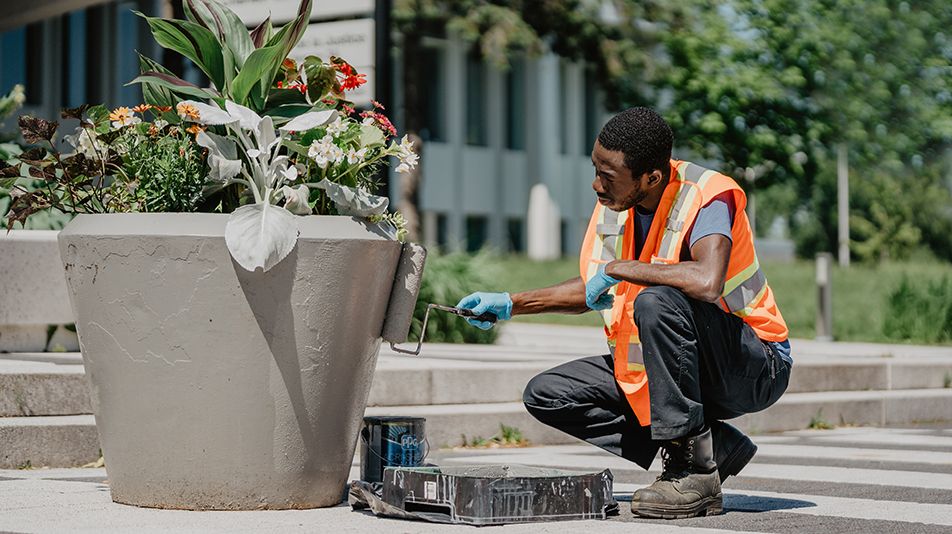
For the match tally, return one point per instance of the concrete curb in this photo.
(72, 440)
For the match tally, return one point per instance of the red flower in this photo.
(353, 81)
(280, 84)
(347, 109)
(377, 105)
(381, 121)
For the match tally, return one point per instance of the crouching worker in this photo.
(694, 333)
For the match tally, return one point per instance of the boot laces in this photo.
(676, 465)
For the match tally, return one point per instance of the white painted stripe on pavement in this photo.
(819, 505)
(775, 450)
(838, 475)
(908, 440)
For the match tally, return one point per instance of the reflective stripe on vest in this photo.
(693, 178)
(607, 247)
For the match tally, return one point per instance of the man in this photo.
(694, 332)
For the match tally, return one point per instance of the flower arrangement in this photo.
(270, 140)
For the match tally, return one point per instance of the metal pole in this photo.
(824, 305)
(751, 175)
(843, 203)
(383, 73)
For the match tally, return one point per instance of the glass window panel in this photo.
(516, 106)
(476, 232)
(476, 126)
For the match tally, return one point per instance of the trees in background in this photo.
(771, 87)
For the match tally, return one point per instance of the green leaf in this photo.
(289, 111)
(261, 62)
(192, 41)
(262, 33)
(226, 24)
(172, 83)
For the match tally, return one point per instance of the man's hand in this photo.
(499, 304)
(596, 291)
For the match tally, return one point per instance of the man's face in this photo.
(614, 184)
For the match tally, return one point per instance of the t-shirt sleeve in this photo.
(715, 218)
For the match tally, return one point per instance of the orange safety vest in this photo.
(611, 236)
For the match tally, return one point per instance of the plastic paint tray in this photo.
(498, 494)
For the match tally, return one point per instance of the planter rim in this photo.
(213, 225)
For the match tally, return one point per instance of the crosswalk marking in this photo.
(819, 505)
(810, 473)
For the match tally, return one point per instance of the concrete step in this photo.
(57, 441)
(72, 440)
(36, 385)
(54, 384)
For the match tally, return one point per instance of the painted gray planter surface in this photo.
(219, 388)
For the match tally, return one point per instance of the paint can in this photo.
(391, 441)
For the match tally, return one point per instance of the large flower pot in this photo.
(219, 388)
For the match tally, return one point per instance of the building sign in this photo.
(352, 40)
(253, 12)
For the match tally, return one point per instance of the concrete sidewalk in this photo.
(845, 480)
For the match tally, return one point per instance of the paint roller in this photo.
(403, 297)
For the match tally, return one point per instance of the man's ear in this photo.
(655, 177)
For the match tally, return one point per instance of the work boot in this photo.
(732, 449)
(689, 484)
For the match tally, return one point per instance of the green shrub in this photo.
(920, 310)
(446, 280)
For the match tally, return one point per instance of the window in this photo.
(476, 230)
(591, 114)
(74, 59)
(514, 235)
(34, 63)
(12, 59)
(442, 232)
(564, 107)
(564, 238)
(516, 106)
(476, 126)
(434, 89)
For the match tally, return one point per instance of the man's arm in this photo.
(701, 279)
(567, 297)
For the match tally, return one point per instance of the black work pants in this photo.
(702, 363)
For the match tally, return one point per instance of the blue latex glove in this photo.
(498, 304)
(596, 291)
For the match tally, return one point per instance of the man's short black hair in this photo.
(643, 136)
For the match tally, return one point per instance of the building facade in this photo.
(507, 152)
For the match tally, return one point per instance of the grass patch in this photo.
(508, 437)
(862, 296)
(818, 423)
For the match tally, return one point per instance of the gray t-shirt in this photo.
(717, 217)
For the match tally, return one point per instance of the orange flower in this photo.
(289, 64)
(164, 109)
(123, 116)
(142, 108)
(194, 129)
(187, 111)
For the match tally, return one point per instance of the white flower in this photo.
(19, 97)
(159, 124)
(356, 156)
(368, 121)
(325, 153)
(337, 127)
(84, 141)
(408, 158)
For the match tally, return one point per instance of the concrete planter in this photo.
(219, 388)
(33, 294)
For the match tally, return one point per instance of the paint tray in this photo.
(489, 495)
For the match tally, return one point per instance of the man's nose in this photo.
(597, 186)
